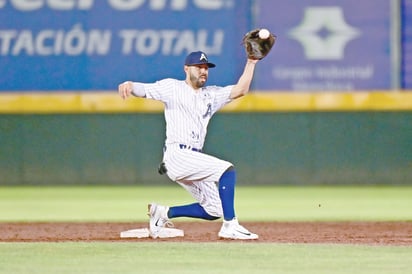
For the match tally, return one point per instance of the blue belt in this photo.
(183, 146)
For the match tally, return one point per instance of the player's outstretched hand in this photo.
(125, 89)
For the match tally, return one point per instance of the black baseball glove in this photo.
(258, 43)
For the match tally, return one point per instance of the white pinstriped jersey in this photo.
(187, 112)
(187, 115)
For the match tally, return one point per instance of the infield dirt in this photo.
(371, 233)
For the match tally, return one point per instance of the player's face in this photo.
(198, 75)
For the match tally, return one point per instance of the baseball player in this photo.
(189, 106)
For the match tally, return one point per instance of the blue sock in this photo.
(193, 211)
(227, 193)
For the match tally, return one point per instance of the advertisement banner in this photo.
(406, 10)
(94, 45)
(325, 45)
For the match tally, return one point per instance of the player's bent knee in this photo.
(214, 212)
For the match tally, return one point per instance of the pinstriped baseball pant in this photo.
(198, 173)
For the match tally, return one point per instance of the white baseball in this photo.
(264, 34)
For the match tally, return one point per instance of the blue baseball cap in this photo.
(198, 58)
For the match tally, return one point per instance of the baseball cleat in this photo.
(233, 230)
(158, 219)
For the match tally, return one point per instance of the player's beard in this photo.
(198, 82)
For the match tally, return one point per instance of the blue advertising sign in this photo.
(325, 45)
(95, 45)
(406, 44)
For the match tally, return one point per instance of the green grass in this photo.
(269, 203)
(265, 203)
(201, 258)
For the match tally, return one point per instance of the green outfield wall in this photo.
(293, 147)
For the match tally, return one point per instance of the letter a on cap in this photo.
(203, 57)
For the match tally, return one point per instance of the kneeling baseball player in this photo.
(189, 106)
